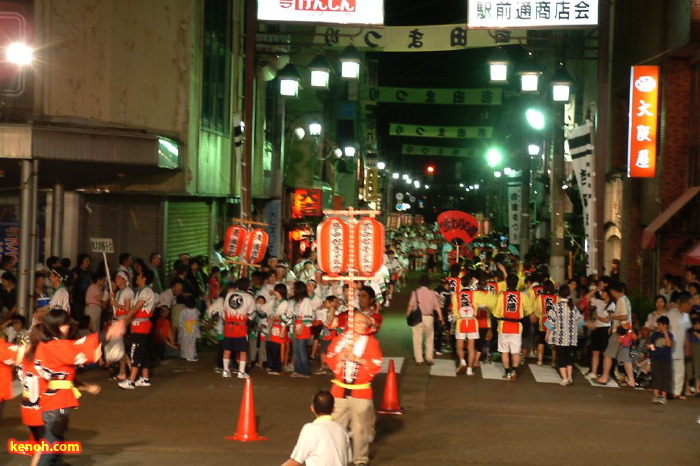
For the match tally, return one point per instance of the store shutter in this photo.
(134, 224)
(187, 230)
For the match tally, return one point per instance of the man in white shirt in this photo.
(323, 442)
(677, 313)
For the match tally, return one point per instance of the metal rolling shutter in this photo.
(187, 231)
(134, 224)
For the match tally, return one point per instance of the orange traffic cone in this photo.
(390, 404)
(247, 429)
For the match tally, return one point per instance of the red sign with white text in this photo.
(644, 123)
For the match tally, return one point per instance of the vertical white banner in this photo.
(582, 159)
(514, 212)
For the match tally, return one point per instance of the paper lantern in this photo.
(458, 227)
(256, 245)
(235, 240)
(332, 236)
(369, 246)
(485, 227)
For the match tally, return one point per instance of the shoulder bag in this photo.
(415, 316)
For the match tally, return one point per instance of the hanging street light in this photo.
(494, 157)
(498, 66)
(349, 151)
(535, 118)
(320, 72)
(533, 149)
(561, 84)
(315, 129)
(289, 81)
(350, 60)
(529, 76)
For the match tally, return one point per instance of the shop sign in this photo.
(322, 11)
(643, 130)
(307, 203)
(531, 14)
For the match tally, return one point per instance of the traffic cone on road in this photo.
(390, 404)
(247, 429)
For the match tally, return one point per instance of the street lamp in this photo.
(395, 176)
(529, 76)
(289, 81)
(493, 157)
(19, 53)
(350, 60)
(561, 84)
(381, 165)
(533, 149)
(498, 66)
(535, 118)
(315, 129)
(349, 151)
(320, 72)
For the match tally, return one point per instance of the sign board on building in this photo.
(9, 239)
(307, 203)
(447, 132)
(643, 129)
(322, 11)
(102, 245)
(531, 14)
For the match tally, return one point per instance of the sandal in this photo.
(115, 378)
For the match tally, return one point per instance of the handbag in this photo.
(415, 316)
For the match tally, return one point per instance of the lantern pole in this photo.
(248, 224)
(351, 213)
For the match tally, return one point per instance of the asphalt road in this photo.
(183, 418)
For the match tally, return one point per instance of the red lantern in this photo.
(369, 246)
(256, 246)
(332, 236)
(458, 227)
(235, 240)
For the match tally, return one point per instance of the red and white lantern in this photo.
(234, 241)
(256, 245)
(332, 237)
(369, 246)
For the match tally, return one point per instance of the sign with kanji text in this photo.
(514, 212)
(102, 245)
(307, 203)
(644, 114)
(447, 132)
(322, 11)
(412, 149)
(531, 14)
(431, 96)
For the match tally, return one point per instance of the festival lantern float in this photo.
(256, 245)
(234, 241)
(369, 246)
(333, 246)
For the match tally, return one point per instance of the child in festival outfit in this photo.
(257, 333)
(279, 318)
(239, 308)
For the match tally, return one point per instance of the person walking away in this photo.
(94, 304)
(660, 346)
(323, 442)
(467, 324)
(355, 358)
(542, 304)
(239, 308)
(564, 320)
(279, 319)
(511, 307)
(302, 337)
(189, 330)
(427, 300)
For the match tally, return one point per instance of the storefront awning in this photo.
(649, 233)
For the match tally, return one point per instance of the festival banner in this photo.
(448, 132)
(583, 162)
(403, 38)
(531, 14)
(411, 149)
(9, 239)
(431, 96)
(273, 218)
(514, 212)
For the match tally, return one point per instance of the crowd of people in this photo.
(288, 319)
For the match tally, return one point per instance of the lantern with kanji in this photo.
(256, 245)
(369, 246)
(234, 241)
(332, 236)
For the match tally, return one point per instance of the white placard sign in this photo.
(102, 245)
(322, 11)
(531, 14)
